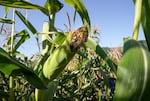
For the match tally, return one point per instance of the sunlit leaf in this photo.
(133, 73)
(81, 9)
(9, 21)
(53, 6)
(6, 10)
(6, 65)
(8, 68)
(24, 36)
(70, 2)
(22, 4)
(60, 38)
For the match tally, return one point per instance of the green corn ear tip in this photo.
(58, 60)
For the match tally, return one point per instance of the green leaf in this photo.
(137, 19)
(6, 10)
(93, 45)
(34, 80)
(8, 68)
(49, 93)
(22, 4)
(146, 20)
(53, 6)
(11, 66)
(4, 56)
(26, 22)
(6, 65)
(133, 73)
(46, 95)
(8, 21)
(23, 35)
(60, 38)
(81, 9)
(70, 2)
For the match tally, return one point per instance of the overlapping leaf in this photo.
(60, 38)
(146, 20)
(50, 91)
(23, 36)
(23, 4)
(53, 6)
(133, 73)
(93, 45)
(81, 9)
(11, 66)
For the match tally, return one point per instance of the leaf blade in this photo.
(26, 22)
(93, 45)
(146, 21)
(8, 21)
(53, 6)
(133, 72)
(23, 4)
(24, 36)
(81, 9)
(9, 65)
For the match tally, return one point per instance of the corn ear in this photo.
(58, 60)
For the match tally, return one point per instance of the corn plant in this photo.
(91, 78)
(57, 51)
(133, 69)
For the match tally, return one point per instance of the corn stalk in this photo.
(11, 80)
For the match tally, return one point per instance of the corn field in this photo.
(70, 64)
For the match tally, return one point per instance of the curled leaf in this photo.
(133, 73)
